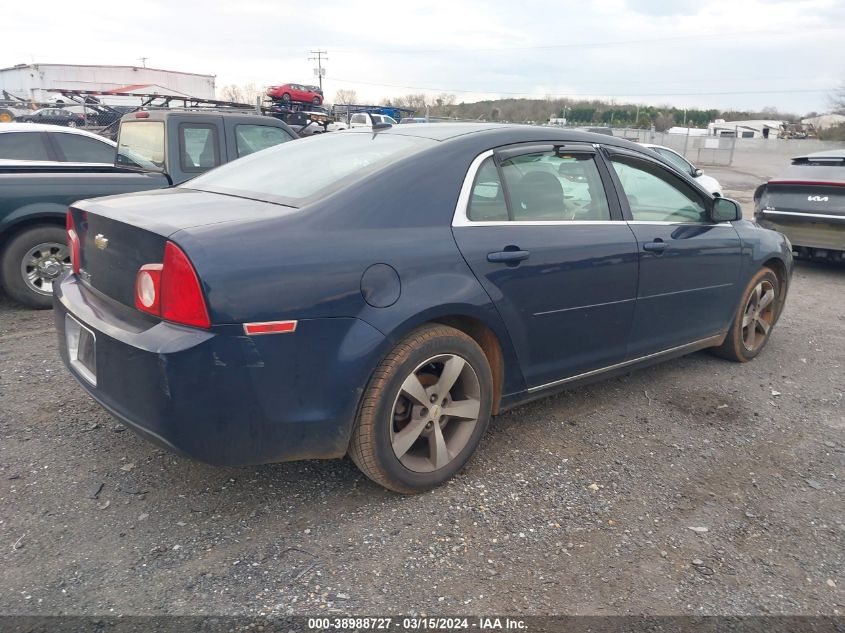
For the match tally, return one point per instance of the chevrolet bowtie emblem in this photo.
(101, 241)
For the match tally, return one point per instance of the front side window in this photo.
(359, 118)
(678, 161)
(198, 147)
(254, 138)
(22, 146)
(81, 149)
(656, 195)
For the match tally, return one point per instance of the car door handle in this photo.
(657, 246)
(507, 257)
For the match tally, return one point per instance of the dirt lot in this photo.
(697, 486)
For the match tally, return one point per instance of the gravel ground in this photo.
(694, 487)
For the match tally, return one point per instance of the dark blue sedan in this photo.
(383, 293)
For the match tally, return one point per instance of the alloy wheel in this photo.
(758, 316)
(43, 264)
(435, 413)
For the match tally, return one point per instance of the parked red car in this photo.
(296, 92)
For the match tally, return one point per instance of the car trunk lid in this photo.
(120, 234)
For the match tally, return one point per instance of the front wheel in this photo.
(30, 264)
(424, 411)
(286, 98)
(754, 318)
(316, 100)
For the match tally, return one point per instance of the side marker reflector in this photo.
(270, 327)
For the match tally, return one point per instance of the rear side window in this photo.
(298, 173)
(141, 144)
(23, 146)
(487, 201)
(81, 149)
(199, 149)
(254, 138)
(541, 187)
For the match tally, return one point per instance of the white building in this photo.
(825, 121)
(745, 129)
(34, 81)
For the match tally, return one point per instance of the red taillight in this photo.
(171, 290)
(72, 242)
(142, 115)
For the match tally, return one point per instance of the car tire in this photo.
(19, 253)
(752, 324)
(6, 116)
(410, 446)
(316, 101)
(71, 124)
(286, 97)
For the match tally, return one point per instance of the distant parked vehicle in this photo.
(296, 92)
(708, 182)
(28, 142)
(807, 204)
(53, 116)
(367, 119)
(155, 150)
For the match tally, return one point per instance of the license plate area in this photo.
(82, 349)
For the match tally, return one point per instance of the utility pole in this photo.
(143, 61)
(320, 58)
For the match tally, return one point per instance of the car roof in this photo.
(505, 131)
(46, 127)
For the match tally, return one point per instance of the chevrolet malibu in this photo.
(383, 293)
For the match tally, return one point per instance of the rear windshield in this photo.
(141, 144)
(302, 171)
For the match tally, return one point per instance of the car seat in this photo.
(538, 196)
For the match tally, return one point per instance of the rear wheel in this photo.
(71, 124)
(754, 319)
(31, 262)
(424, 411)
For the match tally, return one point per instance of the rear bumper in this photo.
(808, 230)
(220, 396)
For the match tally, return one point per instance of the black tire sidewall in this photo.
(10, 264)
(384, 454)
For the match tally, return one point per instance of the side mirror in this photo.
(696, 172)
(725, 210)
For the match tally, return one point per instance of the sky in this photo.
(725, 54)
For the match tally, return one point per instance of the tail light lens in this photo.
(171, 290)
(72, 242)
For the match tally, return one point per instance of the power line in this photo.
(588, 94)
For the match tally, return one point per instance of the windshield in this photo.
(300, 172)
(141, 143)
